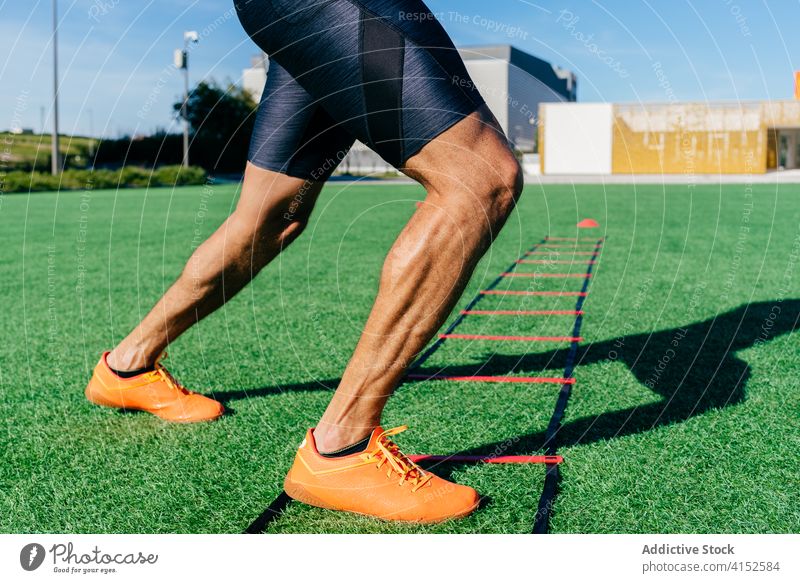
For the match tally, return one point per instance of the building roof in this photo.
(560, 80)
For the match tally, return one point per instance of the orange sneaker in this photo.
(156, 392)
(380, 482)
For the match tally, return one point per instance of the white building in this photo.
(684, 138)
(514, 83)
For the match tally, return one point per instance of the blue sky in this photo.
(116, 54)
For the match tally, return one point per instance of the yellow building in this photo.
(673, 138)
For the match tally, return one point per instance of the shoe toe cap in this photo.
(192, 408)
(447, 500)
(464, 500)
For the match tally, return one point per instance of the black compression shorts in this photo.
(380, 71)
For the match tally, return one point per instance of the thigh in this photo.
(384, 69)
(293, 134)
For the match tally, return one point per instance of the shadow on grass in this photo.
(693, 369)
(225, 397)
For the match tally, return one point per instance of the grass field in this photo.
(684, 417)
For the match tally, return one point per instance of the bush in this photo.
(24, 181)
(178, 176)
(133, 177)
(127, 177)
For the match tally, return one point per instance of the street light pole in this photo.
(185, 112)
(55, 162)
(189, 37)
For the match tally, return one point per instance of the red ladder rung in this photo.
(522, 312)
(585, 246)
(559, 252)
(554, 262)
(493, 292)
(501, 459)
(515, 338)
(576, 239)
(493, 379)
(548, 275)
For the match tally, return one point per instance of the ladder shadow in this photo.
(693, 369)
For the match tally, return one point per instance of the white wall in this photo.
(491, 78)
(577, 138)
(531, 165)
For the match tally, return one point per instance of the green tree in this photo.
(221, 121)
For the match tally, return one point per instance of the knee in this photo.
(503, 187)
(511, 179)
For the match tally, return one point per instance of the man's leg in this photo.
(272, 211)
(473, 181)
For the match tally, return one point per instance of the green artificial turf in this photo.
(684, 417)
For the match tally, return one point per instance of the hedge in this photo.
(127, 177)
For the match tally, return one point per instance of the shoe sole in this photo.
(96, 399)
(299, 493)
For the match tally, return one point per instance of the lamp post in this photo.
(182, 62)
(55, 162)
